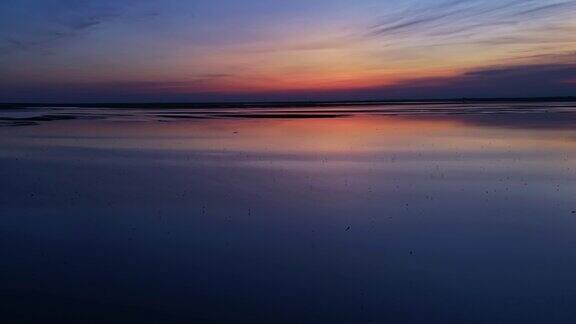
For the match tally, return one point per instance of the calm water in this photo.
(415, 213)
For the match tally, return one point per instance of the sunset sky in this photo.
(211, 50)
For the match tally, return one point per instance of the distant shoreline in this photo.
(280, 104)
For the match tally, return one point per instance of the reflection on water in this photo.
(436, 214)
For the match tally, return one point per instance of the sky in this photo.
(268, 50)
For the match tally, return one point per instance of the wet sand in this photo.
(450, 212)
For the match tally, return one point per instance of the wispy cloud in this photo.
(467, 16)
(38, 27)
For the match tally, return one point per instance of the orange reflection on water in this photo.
(307, 135)
(345, 135)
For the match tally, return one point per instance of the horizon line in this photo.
(295, 102)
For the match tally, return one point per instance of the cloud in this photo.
(450, 18)
(531, 80)
(37, 26)
(546, 8)
(196, 87)
(497, 81)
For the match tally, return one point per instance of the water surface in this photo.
(443, 213)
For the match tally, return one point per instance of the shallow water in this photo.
(410, 213)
